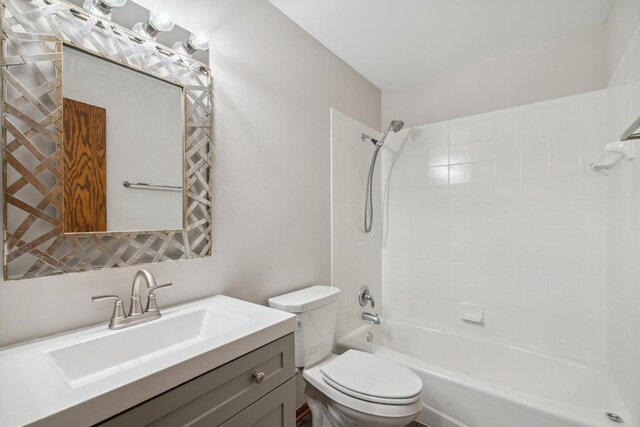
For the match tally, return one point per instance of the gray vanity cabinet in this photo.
(256, 389)
(275, 409)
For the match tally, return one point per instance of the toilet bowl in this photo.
(355, 395)
(352, 389)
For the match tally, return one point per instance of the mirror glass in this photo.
(120, 126)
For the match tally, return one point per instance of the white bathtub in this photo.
(477, 383)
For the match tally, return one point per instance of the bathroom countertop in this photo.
(33, 390)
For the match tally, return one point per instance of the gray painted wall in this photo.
(274, 86)
(623, 20)
(566, 66)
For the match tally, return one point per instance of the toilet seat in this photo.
(314, 377)
(373, 399)
(372, 378)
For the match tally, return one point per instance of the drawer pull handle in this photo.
(258, 377)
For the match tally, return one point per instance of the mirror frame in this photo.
(33, 35)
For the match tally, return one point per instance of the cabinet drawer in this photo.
(218, 394)
(276, 409)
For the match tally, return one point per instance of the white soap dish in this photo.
(470, 312)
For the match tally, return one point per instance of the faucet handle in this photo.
(118, 309)
(99, 298)
(364, 296)
(152, 306)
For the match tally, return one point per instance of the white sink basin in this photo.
(131, 347)
(85, 376)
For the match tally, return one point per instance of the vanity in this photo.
(215, 361)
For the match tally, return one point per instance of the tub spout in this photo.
(371, 317)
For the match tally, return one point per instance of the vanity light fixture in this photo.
(198, 40)
(159, 20)
(103, 7)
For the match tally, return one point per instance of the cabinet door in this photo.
(217, 395)
(276, 409)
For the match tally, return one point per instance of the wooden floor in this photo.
(306, 422)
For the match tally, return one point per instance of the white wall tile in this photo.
(506, 123)
(534, 118)
(566, 139)
(481, 151)
(507, 169)
(481, 127)
(535, 167)
(483, 172)
(352, 250)
(460, 174)
(593, 107)
(534, 144)
(564, 113)
(438, 175)
(564, 164)
(459, 154)
(514, 221)
(437, 135)
(459, 131)
(418, 174)
(620, 289)
(439, 156)
(507, 147)
(592, 136)
(507, 191)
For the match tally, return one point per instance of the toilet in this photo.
(352, 389)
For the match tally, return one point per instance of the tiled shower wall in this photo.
(356, 257)
(623, 235)
(501, 210)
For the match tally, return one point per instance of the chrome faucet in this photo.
(136, 306)
(136, 316)
(371, 317)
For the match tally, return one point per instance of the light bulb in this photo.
(199, 39)
(139, 29)
(179, 47)
(103, 7)
(114, 3)
(161, 19)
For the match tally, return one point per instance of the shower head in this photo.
(396, 125)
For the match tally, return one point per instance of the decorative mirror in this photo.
(106, 144)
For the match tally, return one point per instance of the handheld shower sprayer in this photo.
(395, 126)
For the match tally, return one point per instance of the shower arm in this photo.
(364, 137)
(378, 142)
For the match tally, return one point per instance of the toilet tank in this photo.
(316, 308)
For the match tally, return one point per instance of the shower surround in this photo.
(623, 235)
(356, 256)
(502, 210)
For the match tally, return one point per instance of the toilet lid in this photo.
(372, 378)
